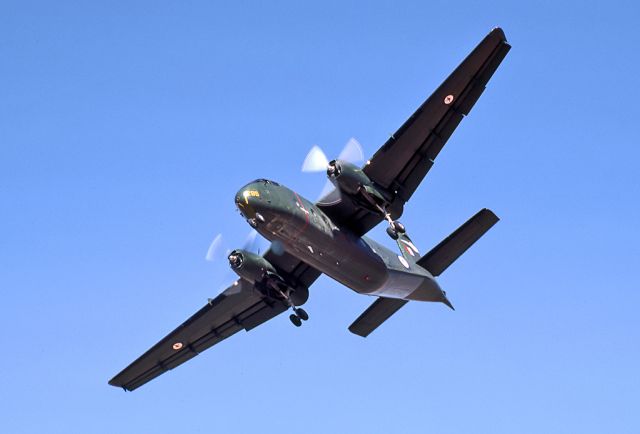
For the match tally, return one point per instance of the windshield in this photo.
(266, 181)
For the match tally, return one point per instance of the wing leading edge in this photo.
(238, 307)
(404, 160)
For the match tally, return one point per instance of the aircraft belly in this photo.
(360, 264)
(308, 234)
(347, 262)
(408, 286)
(337, 254)
(399, 285)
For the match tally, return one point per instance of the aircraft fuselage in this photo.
(305, 231)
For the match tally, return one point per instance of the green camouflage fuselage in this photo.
(306, 232)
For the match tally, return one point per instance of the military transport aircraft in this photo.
(309, 239)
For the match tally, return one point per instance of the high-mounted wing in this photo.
(238, 307)
(403, 161)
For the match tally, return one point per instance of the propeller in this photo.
(317, 161)
(216, 250)
(352, 152)
(277, 247)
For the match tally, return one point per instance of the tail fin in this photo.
(436, 261)
(409, 251)
(452, 247)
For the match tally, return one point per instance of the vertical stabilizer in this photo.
(409, 250)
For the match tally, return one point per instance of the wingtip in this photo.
(490, 214)
(497, 30)
(114, 383)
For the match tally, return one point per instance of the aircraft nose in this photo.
(238, 198)
(247, 199)
(242, 204)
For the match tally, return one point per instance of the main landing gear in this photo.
(298, 315)
(395, 228)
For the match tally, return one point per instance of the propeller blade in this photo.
(352, 152)
(331, 198)
(326, 190)
(214, 249)
(277, 247)
(251, 242)
(217, 251)
(315, 161)
(227, 279)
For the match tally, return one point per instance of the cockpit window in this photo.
(266, 181)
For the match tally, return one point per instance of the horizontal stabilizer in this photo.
(376, 314)
(450, 249)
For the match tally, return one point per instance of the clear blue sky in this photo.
(126, 128)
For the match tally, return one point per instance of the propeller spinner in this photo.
(317, 161)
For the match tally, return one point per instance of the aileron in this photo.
(429, 128)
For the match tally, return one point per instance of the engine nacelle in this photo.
(347, 177)
(351, 180)
(250, 266)
(263, 275)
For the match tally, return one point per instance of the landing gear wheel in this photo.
(399, 227)
(392, 233)
(298, 314)
(302, 314)
(295, 319)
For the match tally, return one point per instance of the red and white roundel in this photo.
(448, 99)
(177, 346)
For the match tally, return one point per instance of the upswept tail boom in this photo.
(435, 262)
